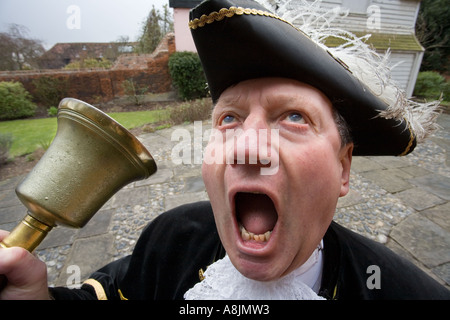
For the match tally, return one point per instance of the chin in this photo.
(256, 270)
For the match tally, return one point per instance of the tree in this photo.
(17, 50)
(433, 32)
(154, 28)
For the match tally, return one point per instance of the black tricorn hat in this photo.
(239, 40)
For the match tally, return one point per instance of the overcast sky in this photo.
(54, 21)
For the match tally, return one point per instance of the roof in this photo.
(184, 3)
(382, 41)
(63, 53)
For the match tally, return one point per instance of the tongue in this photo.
(256, 212)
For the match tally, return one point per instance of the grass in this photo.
(31, 134)
(136, 119)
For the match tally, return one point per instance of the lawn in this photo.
(30, 134)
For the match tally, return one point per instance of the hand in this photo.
(24, 276)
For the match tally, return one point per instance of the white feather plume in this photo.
(368, 66)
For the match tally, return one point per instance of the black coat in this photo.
(175, 246)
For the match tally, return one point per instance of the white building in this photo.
(390, 23)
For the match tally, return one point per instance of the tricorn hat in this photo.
(239, 40)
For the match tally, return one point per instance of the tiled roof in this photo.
(382, 41)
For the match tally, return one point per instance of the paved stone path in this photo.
(401, 202)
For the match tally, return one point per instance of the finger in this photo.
(20, 266)
(26, 275)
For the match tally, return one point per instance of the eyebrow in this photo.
(228, 101)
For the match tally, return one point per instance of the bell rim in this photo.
(110, 128)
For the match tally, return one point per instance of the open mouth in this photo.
(256, 216)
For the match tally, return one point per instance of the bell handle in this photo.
(28, 234)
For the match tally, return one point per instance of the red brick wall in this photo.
(91, 85)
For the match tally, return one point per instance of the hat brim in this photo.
(237, 45)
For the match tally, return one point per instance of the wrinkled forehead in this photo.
(272, 91)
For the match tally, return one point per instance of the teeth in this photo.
(246, 235)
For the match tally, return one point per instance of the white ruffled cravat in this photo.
(224, 281)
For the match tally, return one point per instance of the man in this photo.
(267, 231)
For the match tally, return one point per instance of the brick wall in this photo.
(150, 70)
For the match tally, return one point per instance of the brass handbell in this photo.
(90, 159)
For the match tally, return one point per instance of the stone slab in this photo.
(8, 226)
(187, 171)
(398, 249)
(415, 171)
(443, 272)
(130, 197)
(434, 183)
(177, 200)
(419, 199)
(440, 215)
(390, 161)
(89, 255)
(11, 183)
(194, 184)
(12, 214)
(8, 198)
(98, 224)
(423, 239)
(444, 143)
(391, 180)
(363, 164)
(160, 176)
(353, 197)
(58, 236)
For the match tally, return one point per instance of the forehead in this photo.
(273, 91)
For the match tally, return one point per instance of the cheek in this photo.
(211, 178)
(316, 165)
(214, 179)
(314, 183)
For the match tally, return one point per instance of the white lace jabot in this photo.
(224, 281)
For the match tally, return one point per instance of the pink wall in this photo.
(183, 37)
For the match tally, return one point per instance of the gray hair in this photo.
(343, 128)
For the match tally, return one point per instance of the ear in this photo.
(345, 157)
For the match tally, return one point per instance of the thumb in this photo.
(25, 274)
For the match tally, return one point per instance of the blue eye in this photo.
(228, 119)
(295, 117)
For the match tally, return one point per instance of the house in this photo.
(390, 23)
(61, 54)
(183, 38)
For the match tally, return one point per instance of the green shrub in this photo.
(431, 85)
(52, 111)
(50, 91)
(446, 91)
(89, 63)
(134, 92)
(15, 101)
(199, 109)
(187, 74)
(5, 145)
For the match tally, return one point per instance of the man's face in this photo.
(271, 223)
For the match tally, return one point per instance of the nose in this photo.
(254, 144)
